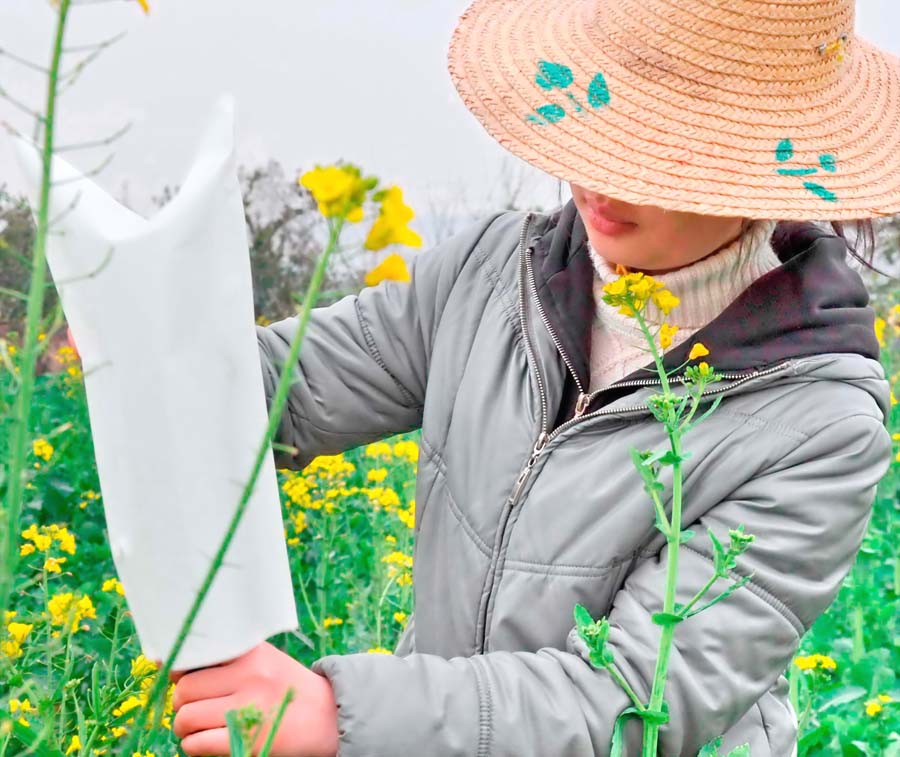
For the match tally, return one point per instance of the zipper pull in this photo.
(583, 401)
(526, 471)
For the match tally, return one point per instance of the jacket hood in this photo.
(812, 304)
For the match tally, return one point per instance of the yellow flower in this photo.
(377, 475)
(144, 5)
(118, 731)
(378, 449)
(332, 622)
(392, 268)
(300, 521)
(390, 539)
(42, 448)
(873, 707)
(338, 190)
(113, 584)
(404, 579)
(408, 516)
(51, 564)
(398, 558)
(127, 705)
(391, 225)
(400, 617)
(26, 549)
(293, 541)
(893, 398)
(665, 301)
(813, 661)
(21, 706)
(880, 323)
(74, 744)
(62, 606)
(407, 449)
(698, 350)
(141, 666)
(19, 631)
(379, 650)
(666, 333)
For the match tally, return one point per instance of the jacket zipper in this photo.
(584, 400)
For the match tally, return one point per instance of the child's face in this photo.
(656, 241)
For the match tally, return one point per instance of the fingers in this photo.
(202, 716)
(212, 742)
(205, 683)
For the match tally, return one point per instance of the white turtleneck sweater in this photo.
(705, 288)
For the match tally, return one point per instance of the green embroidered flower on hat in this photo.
(556, 76)
(785, 152)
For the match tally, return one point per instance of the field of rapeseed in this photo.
(69, 658)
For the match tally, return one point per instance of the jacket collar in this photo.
(813, 303)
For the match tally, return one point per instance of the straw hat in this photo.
(722, 107)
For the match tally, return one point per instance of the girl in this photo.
(686, 131)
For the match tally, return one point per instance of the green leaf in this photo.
(554, 75)
(617, 746)
(666, 618)
(598, 91)
(582, 616)
(844, 696)
(686, 535)
(711, 749)
(740, 751)
(719, 551)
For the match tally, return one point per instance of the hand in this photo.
(261, 676)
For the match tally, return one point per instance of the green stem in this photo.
(651, 730)
(278, 402)
(859, 645)
(9, 516)
(696, 598)
(673, 538)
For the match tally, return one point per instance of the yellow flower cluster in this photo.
(400, 617)
(408, 516)
(403, 448)
(64, 606)
(69, 358)
(893, 319)
(401, 559)
(874, 706)
(16, 633)
(391, 225)
(377, 475)
(42, 539)
(89, 496)
(632, 291)
(21, 706)
(339, 190)
(328, 622)
(144, 672)
(42, 448)
(113, 585)
(814, 661)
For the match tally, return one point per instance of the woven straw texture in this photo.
(721, 107)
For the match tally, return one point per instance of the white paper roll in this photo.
(162, 313)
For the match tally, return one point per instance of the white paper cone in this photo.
(162, 314)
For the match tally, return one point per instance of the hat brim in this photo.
(712, 129)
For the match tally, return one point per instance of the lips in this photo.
(603, 212)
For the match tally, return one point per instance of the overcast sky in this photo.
(362, 80)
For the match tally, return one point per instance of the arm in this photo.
(809, 513)
(363, 364)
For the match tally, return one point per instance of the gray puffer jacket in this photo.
(528, 502)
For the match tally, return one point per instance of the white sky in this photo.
(313, 82)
